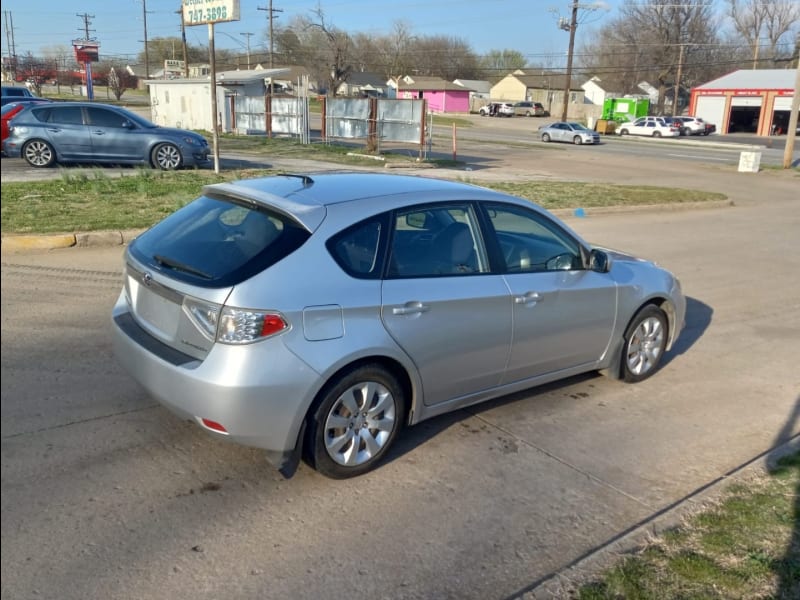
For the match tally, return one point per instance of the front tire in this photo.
(644, 344)
(577, 140)
(39, 154)
(545, 137)
(166, 157)
(355, 423)
(623, 132)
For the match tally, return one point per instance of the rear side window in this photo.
(357, 249)
(216, 243)
(64, 115)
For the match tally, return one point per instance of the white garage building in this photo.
(753, 101)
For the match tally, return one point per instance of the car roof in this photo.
(304, 197)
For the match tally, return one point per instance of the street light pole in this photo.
(573, 24)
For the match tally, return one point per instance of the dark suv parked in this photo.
(16, 90)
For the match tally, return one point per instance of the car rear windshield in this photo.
(217, 243)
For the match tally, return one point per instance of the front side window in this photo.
(102, 117)
(529, 242)
(441, 240)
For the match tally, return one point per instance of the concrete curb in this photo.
(566, 582)
(21, 243)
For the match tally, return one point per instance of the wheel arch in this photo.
(614, 368)
(152, 148)
(388, 363)
(56, 155)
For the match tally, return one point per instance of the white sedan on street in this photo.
(649, 126)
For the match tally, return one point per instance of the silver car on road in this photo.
(315, 315)
(573, 133)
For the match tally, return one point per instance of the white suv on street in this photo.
(649, 126)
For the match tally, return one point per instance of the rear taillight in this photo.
(243, 326)
(230, 325)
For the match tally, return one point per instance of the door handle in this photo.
(99, 132)
(528, 298)
(54, 129)
(410, 308)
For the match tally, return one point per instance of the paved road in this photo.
(106, 495)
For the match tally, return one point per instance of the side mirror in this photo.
(127, 124)
(599, 261)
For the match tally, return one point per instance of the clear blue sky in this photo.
(528, 26)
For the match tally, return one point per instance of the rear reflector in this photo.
(214, 426)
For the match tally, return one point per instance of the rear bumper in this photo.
(259, 395)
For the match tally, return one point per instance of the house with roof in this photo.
(545, 87)
(480, 94)
(442, 96)
(748, 100)
(596, 92)
(362, 83)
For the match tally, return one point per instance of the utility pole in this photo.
(790, 133)
(146, 55)
(271, 16)
(87, 20)
(12, 53)
(183, 41)
(573, 25)
(247, 35)
(677, 81)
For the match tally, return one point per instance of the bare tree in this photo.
(758, 19)
(338, 51)
(652, 40)
(498, 63)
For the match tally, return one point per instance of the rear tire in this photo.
(39, 154)
(656, 134)
(355, 423)
(644, 343)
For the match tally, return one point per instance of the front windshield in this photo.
(579, 126)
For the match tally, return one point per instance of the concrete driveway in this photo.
(106, 495)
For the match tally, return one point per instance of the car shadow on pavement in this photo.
(698, 318)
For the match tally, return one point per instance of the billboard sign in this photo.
(200, 12)
(86, 51)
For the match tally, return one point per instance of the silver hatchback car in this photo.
(315, 315)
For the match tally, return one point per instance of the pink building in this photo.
(442, 96)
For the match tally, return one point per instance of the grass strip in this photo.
(744, 547)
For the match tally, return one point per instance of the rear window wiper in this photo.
(179, 266)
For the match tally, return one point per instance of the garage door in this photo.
(712, 110)
(746, 101)
(783, 103)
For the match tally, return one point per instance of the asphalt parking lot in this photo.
(106, 495)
